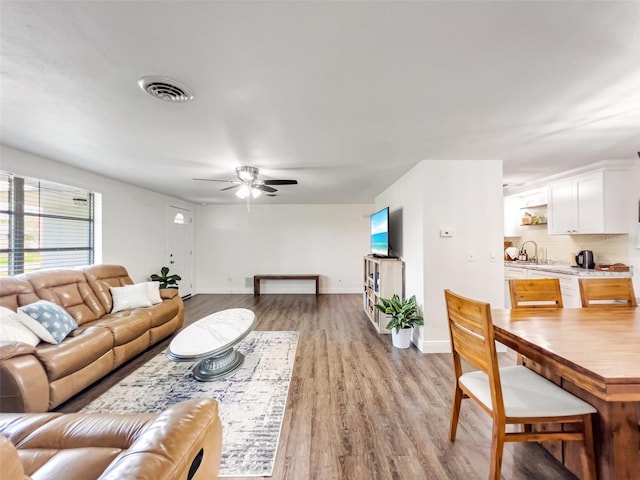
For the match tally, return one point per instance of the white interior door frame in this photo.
(180, 246)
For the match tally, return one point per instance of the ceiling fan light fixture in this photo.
(255, 192)
(247, 174)
(244, 191)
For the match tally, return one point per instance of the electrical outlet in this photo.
(470, 256)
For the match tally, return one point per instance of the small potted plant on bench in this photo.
(404, 316)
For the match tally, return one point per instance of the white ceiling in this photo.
(343, 96)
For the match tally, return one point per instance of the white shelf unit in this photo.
(383, 277)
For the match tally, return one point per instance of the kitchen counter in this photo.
(568, 270)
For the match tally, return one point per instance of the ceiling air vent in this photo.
(165, 89)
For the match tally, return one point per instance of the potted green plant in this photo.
(404, 316)
(166, 280)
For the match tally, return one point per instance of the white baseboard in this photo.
(306, 291)
(435, 346)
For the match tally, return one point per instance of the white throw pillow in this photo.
(130, 296)
(154, 292)
(49, 321)
(12, 329)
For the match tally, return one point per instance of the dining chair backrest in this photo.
(473, 339)
(535, 293)
(607, 292)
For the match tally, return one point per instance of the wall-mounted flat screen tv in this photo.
(380, 233)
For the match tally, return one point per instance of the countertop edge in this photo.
(568, 270)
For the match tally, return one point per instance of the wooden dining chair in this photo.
(535, 293)
(510, 395)
(607, 292)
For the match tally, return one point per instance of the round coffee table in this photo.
(212, 339)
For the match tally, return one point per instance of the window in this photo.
(44, 225)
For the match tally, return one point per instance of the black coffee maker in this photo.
(584, 259)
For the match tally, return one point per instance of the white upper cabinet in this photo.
(512, 216)
(592, 203)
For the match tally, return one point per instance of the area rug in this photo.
(251, 402)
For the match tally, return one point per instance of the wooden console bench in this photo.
(257, 278)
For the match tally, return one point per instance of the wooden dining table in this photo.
(595, 354)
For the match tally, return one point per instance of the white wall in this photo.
(406, 218)
(134, 220)
(232, 245)
(634, 237)
(466, 198)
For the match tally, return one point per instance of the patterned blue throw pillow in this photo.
(47, 320)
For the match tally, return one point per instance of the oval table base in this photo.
(218, 366)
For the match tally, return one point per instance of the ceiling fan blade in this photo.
(265, 188)
(215, 180)
(231, 187)
(271, 194)
(280, 182)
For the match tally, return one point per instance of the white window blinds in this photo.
(43, 225)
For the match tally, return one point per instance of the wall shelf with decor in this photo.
(533, 215)
(382, 278)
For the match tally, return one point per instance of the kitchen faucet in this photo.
(535, 253)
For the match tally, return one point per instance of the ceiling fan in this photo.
(248, 183)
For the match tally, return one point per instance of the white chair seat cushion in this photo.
(526, 394)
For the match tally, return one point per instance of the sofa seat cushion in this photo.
(127, 325)
(163, 312)
(75, 352)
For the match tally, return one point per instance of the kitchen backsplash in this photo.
(606, 249)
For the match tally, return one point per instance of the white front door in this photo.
(180, 247)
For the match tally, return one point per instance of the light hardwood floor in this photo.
(358, 408)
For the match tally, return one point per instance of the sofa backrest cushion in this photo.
(16, 292)
(102, 278)
(69, 289)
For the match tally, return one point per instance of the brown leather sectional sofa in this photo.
(183, 442)
(38, 379)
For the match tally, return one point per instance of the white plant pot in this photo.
(401, 338)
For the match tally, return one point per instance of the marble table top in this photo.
(212, 334)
